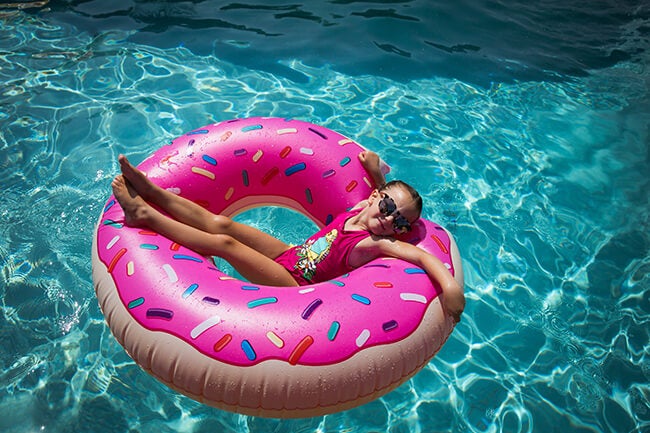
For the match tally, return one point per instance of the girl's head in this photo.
(398, 205)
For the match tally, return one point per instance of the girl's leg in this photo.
(251, 264)
(190, 213)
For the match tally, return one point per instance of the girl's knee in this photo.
(220, 224)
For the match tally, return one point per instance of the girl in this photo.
(351, 240)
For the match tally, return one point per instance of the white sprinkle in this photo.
(204, 326)
(306, 151)
(413, 297)
(308, 290)
(174, 190)
(112, 242)
(363, 337)
(171, 274)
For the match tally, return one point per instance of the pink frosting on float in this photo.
(230, 167)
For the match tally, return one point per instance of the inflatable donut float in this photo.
(258, 350)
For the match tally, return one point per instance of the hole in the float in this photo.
(285, 224)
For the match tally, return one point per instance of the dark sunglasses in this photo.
(387, 207)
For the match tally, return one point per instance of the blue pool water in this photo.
(525, 127)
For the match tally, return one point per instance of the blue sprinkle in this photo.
(112, 223)
(295, 168)
(184, 257)
(250, 288)
(251, 128)
(244, 177)
(198, 132)
(248, 350)
(188, 292)
(329, 219)
(411, 271)
(361, 299)
(148, 246)
(345, 161)
(337, 283)
(109, 205)
(210, 160)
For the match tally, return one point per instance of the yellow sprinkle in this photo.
(345, 141)
(130, 268)
(229, 193)
(203, 172)
(226, 278)
(287, 131)
(273, 337)
(257, 155)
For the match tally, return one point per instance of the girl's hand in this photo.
(372, 163)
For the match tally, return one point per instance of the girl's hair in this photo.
(417, 200)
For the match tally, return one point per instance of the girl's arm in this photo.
(453, 300)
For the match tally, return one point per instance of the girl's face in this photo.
(392, 211)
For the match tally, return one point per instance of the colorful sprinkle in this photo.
(251, 128)
(229, 193)
(275, 339)
(414, 297)
(248, 350)
(337, 283)
(320, 134)
(361, 299)
(412, 271)
(130, 268)
(269, 175)
(247, 287)
(113, 223)
(160, 313)
(244, 177)
(287, 131)
(149, 246)
(223, 342)
(389, 326)
(210, 160)
(175, 246)
(262, 301)
(188, 292)
(351, 186)
(300, 349)
(258, 155)
(109, 205)
(240, 152)
(367, 182)
(135, 303)
(311, 308)
(186, 257)
(112, 242)
(305, 291)
(226, 135)
(333, 331)
(204, 326)
(211, 301)
(203, 172)
(345, 161)
(147, 233)
(306, 151)
(295, 168)
(345, 141)
(115, 259)
(329, 173)
(442, 246)
(171, 273)
(383, 284)
(285, 152)
(308, 196)
(363, 337)
(377, 265)
(198, 132)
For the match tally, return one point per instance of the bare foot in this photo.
(134, 207)
(137, 179)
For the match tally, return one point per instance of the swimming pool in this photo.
(525, 129)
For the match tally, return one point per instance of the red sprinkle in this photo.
(269, 175)
(351, 186)
(300, 349)
(116, 258)
(223, 342)
(147, 233)
(174, 246)
(285, 152)
(383, 284)
(440, 244)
